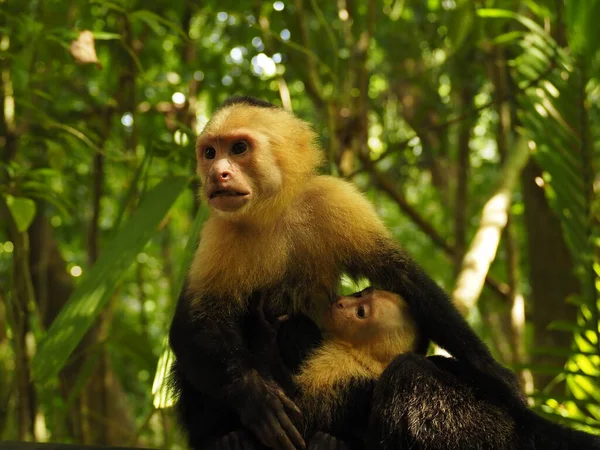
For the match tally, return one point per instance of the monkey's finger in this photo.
(275, 434)
(284, 441)
(290, 407)
(263, 433)
(290, 431)
(279, 435)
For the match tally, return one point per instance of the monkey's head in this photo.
(253, 157)
(374, 321)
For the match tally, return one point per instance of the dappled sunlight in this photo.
(478, 259)
(473, 130)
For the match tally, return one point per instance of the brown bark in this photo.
(505, 132)
(462, 177)
(550, 272)
(21, 297)
(19, 310)
(6, 374)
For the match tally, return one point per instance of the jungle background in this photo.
(473, 126)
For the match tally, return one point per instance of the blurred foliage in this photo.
(100, 103)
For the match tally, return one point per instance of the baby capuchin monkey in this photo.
(362, 334)
(277, 227)
(368, 385)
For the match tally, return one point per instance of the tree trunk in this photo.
(551, 274)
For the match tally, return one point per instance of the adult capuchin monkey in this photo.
(278, 228)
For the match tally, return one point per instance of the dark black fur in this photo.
(208, 415)
(439, 403)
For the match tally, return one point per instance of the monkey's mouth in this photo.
(227, 193)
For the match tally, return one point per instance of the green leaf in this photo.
(190, 250)
(460, 25)
(160, 387)
(93, 292)
(105, 36)
(582, 30)
(508, 37)
(153, 20)
(22, 210)
(505, 14)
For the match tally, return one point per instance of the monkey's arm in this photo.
(365, 247)
(390, 268)
(212, 355)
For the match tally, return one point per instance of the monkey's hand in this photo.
(269, 325)
(265, 410)
(324, 441)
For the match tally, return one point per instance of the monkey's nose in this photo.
(340, 305)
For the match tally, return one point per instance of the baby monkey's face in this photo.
(367, 315)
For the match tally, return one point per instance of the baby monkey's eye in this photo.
(209, 152)
(362, 312)
(239, 147)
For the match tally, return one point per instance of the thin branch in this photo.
(482, 251)
(330, 34)
(462, 176)
(313, 84)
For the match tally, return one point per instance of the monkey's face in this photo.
(223, 164)
(253, 159)
(367, 316)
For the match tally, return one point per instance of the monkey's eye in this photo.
(209, 153)
(362, 312)
(239, 147)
